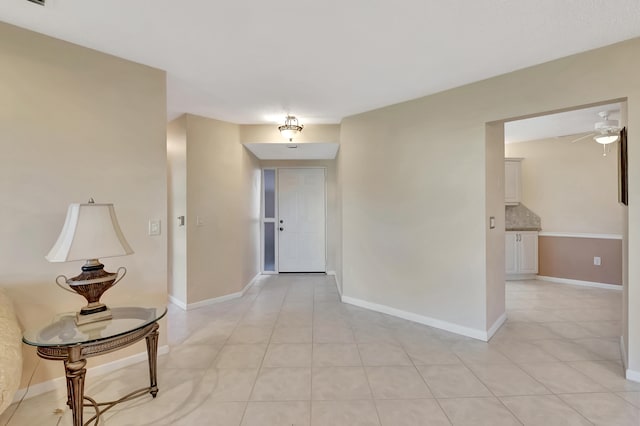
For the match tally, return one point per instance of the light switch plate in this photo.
(154, 227)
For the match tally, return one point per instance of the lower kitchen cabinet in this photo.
(521, 252)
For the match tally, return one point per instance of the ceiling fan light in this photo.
(606, 139)
(605, 125)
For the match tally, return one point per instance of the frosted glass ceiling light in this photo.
(606, 138)
(290, 128)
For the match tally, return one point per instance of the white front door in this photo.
(301, 220)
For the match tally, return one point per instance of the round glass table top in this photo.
(63, 331)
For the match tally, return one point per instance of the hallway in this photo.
(289, 352)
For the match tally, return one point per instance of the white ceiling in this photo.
(555, 125)
(253, 61)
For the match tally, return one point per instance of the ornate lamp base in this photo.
(82, 319)
(91, 284)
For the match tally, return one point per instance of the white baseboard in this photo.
(60, 383)
(623, 351)
(431, 322)
(578, 282)
(633, 375)
(213, 301)
(179, 303)
(496, 325)
(578, 235)
(629, 374)
(520, 277)
(335, 277)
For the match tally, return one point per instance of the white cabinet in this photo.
(521, 252)
(512, 180)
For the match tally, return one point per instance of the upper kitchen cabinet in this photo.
(512, 181)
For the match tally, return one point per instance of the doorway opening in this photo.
(564, 224)
(563, 219)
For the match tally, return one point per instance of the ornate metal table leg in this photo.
(152, 353)
(75, 370)
(68, 387)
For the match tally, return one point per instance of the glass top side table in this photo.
(65, 341)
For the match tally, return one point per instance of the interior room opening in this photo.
(565, 227)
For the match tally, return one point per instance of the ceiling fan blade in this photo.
(582, 137)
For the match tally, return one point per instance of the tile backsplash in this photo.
(520, 218)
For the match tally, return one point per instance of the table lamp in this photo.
(90, 232)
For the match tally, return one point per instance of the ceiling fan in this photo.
(605, 132)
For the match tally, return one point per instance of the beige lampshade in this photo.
(90, 231)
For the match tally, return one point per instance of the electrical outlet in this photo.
(199, 221)
(597, 261)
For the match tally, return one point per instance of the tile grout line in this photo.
(536, 380)
(366, 375)
(251, 304)
(244, 413)
(201, 379)
(313, 315)
(429, 387)
(553, 394)
(572, 408)
(491, 391)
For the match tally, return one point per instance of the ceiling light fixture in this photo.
(606, 138)
(607, 131)
(290, 128)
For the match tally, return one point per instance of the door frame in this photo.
(275, 220)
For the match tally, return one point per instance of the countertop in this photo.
(520, 218)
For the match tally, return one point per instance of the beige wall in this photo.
(571, 186)
(572, 258)
(413, 183)
(332, 201)
(223, 189)
(495, 247)
(177, 206)
(339, 241)
(77, 124)
(413, 213)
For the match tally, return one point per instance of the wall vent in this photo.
(40, 2)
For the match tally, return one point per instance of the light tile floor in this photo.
(289, 353)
